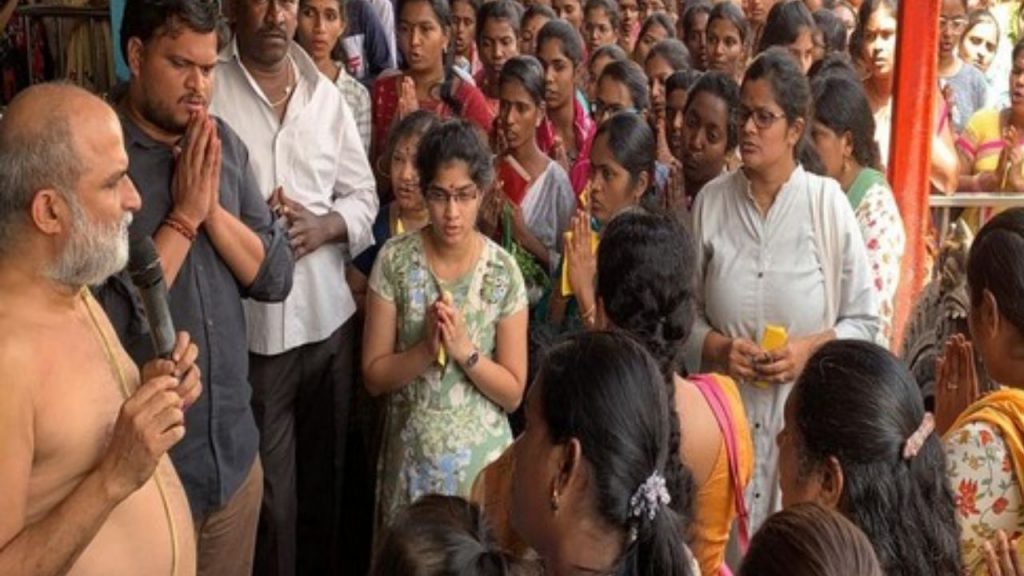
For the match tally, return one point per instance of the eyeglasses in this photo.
(763, 118)
(599, 109)
(462, 196)
(956, 24)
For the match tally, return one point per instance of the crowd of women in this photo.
(632, 299)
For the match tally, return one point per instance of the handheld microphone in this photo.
(148, 276)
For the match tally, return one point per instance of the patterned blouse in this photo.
(885, 239)
(988, 496)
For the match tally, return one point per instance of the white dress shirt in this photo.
(322, 167)
(757, 270)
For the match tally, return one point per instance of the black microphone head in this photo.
(144, 262)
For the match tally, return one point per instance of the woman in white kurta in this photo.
(776, 246)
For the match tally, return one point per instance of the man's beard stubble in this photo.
(160, 116)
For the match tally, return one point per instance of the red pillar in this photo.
(910, 147)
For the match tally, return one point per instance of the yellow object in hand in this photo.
(566, 285)
(774, 337)
(442, 354)
(585, 196)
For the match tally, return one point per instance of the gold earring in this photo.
(554, 500)
(382, 168)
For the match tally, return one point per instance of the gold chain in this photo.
(112, 358)
(290, 84)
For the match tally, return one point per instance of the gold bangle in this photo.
(588, 316)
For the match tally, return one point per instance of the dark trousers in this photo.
(366, 429)
(301, 400)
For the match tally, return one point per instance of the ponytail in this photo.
(858, 404)
(604, 390)
(656, 548)
(659, 550)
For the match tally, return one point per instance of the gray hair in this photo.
(33, 160)
(92, 252)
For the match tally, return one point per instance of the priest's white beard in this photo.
(93, 252)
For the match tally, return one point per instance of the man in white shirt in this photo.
(311, 166)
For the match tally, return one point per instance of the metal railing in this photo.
(945, 204)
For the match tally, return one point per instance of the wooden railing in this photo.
(64, 19)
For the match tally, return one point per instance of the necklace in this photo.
(399, 225)
(289, 85)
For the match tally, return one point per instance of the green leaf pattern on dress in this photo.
(440, 431)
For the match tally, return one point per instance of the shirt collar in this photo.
(307, 74)
(342, 72)
(797, 176)
(134, 135)
(230, 52)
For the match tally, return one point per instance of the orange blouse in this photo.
(715, 507)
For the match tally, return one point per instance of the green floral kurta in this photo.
(440, 431)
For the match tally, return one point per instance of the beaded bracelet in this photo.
(178, 225)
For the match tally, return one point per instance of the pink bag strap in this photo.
(723, 415)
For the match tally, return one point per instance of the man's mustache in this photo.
(273, 32)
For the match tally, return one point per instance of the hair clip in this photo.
(649, 497)
(913, 444)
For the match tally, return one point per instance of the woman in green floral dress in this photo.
(445, 335)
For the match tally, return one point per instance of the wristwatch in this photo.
(472, 360)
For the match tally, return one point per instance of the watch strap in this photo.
(473, 359)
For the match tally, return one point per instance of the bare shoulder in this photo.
(18, 378)
(701, 437)
(20, 374)
(696, 416)
(19, 355)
